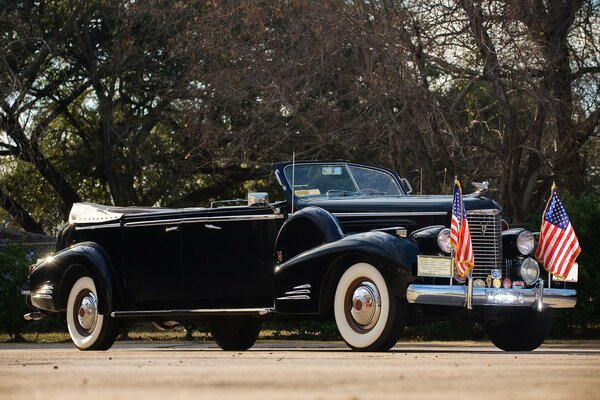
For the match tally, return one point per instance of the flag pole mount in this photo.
(470, 292)
(539, 295)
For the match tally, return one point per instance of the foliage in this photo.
(14, 260)
(179, 102)
(584, 213)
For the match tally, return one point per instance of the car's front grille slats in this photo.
(487, 241)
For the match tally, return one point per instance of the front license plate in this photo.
(434, 266)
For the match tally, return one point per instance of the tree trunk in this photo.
(29, 151)
(19, 214)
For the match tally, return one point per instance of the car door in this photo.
(228, 257)
(152, 261)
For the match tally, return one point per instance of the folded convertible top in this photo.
(89, 212)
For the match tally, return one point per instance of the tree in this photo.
(171, 103)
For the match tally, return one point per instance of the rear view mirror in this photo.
(332, 170)
(407, 185)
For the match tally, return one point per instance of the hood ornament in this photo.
(482, 187)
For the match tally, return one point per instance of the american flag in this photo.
(558, 246)
(460, 236)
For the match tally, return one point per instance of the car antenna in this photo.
(293, 177)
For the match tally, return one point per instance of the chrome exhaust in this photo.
(33, 316)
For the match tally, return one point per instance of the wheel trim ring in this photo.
(375, 312)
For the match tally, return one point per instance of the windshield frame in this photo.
(283, 169)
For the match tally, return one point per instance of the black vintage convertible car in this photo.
(349, 243)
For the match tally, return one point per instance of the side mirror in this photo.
(407, 185)
(259, 198)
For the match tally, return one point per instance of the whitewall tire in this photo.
(89, 330)
(367, 315)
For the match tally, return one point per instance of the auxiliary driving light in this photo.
(530, 271)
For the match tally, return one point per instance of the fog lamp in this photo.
(529, 270)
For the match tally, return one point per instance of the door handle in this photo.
(172, 229)
(210, 226)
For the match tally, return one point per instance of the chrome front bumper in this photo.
(457, 296)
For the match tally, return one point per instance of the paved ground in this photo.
(298, 370)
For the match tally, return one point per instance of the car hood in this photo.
(410, 203)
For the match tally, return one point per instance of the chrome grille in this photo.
(487, 241)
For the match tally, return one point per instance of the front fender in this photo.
(51, 278)
(304, 283)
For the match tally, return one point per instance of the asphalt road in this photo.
(298, 370)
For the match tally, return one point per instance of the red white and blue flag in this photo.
(558, 246)
(460, 236)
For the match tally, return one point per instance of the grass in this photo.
(175, 334)
(310, 331)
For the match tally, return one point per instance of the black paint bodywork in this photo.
(243, 257)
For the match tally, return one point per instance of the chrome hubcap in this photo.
(366, 305)
(87, 314)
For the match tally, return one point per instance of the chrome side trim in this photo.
(45, 292)
(391, 214)
(104, 226)
(204, 219)
(295, 297)
(301, 291)
(152, 223)
(456, 296)
(191, 313)
(306, 286)
(232, 218)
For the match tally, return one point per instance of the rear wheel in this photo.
(518, 328)
(89, 329)
(367, 315)
(235, 334)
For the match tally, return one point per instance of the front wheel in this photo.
(89, 329)
(518, 328)
(367, 315)
(235, 334)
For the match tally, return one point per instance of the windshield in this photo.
(340, 180)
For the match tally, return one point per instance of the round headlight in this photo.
(525, 243)
(530, 271)
(443, 240)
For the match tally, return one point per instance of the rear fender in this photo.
(52, 278)
(305, 283)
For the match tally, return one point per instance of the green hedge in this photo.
(13, 272)
(584, 319)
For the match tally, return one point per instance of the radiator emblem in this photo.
(483, 228)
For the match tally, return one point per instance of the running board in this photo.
(175, 314)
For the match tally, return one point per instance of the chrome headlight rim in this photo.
(443, 241)
(529, 271)
(525, 242)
